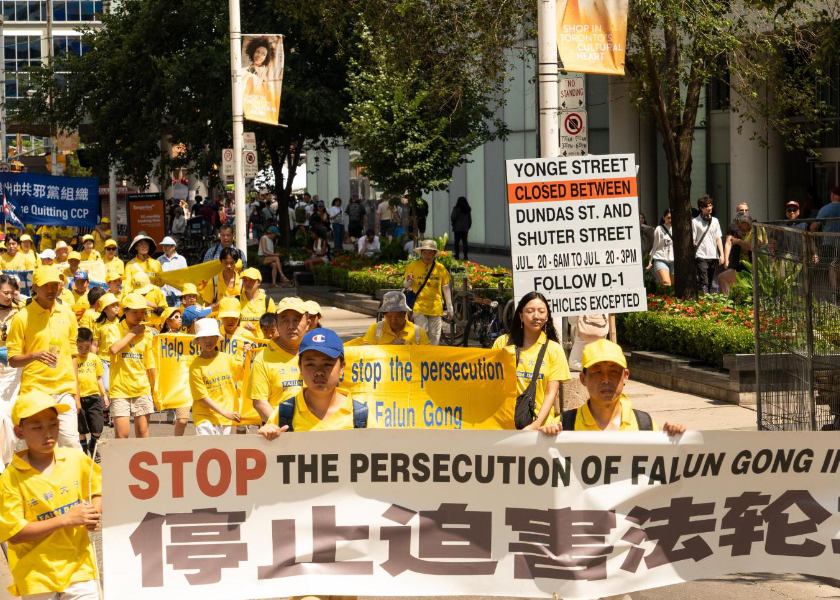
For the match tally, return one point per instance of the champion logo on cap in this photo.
(320, 339)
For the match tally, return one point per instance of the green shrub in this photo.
(699, 339)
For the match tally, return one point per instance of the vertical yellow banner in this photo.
(592, 35)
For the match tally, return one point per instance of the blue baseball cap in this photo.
(274, 230)
(193, 313)
(81, 275)
(325, 341)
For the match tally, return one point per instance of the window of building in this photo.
(76, 10)
(68, 43)
(20, 52)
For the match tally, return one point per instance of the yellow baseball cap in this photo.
(32, 403)
(291, 303)
(112, 276)
(105, 220)
(46, 274)
(111, 244)
(87, 237)
(189, 288)
(312, 307)
(60, 244)
(74, 256)
(229, 307)
(107, 300)
(252, 273)
(134, 301)
(140, 279)
(26, 238)
(603, 351)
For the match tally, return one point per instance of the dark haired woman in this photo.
(225, 284)
(461, 222)
(662, 253)
(531, 329)
(320, 248)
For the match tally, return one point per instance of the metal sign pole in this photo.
(240, 220)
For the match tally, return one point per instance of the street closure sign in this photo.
(574, 229)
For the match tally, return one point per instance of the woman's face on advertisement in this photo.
(259, 55)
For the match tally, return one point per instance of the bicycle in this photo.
(490, 318)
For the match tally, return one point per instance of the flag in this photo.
(9, 214)
(200, 275)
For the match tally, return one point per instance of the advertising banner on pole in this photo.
(47, 200)
(592, 35)
(574, 229)
(262, 77)
(147, 213)
(448, 513)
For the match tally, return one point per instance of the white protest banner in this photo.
(574, 232)
(447, 513)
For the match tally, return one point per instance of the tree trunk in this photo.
(679, 200)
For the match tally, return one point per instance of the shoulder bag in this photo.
(526, 403)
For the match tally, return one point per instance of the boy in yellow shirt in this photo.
(268, 326)
(50, 499)
(92, 393)
(132, 370)
(213, 377)
(321, 405)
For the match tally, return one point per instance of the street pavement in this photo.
(664, 405)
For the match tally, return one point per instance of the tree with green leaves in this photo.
(677, 48)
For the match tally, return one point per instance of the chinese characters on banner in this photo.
(262, 77)
(574, 233)
(47, 200)
(592, 35)
(383, 512)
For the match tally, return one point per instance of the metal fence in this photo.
(796, 298)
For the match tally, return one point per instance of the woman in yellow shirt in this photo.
(113, 264)
(31, 260)
(531, 330)
(226, 284)
(88, 252)
(142, 248)
(254, 302)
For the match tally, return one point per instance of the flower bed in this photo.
(704, 330)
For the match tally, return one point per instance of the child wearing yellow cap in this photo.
(254, 302)
(50, 498)
(88, 251)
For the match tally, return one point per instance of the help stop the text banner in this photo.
(442, 513)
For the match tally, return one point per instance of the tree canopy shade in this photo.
(678, 47)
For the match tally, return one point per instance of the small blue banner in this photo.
(47, 200)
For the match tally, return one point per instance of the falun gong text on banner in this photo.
(592, 35)
(447, 513)
(431, 387)
(574, 233)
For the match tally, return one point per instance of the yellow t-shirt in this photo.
(31, 261)
(51, 563)
(214, 293)
(105, 334)
(114, 265)
(430, 300)
(275, 375)
(80, 303)
(585, 421)
(214, 378)
(408, 334)
(554, 367)
(34, 329)
(13, 263)
(99, 240)
(90, 370)
(65, 233)
(304, 420)
(151, 266)
(89, 319)
(155, 296)
(47, 234)
(67, 298)
(128, 367)
(252, 310)
(93, 255)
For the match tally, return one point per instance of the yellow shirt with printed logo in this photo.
(79, 303)
(13, 263)
(430, 300)
(275, 375)
(304, 420)
(34, 329)
(252, 310)
(90, 370)
(92, 255)
(214, 378)
(115, 265)
(585, 421)
(54, 562)
(128, 367)
(554, 367)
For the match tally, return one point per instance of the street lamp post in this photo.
(240, 221)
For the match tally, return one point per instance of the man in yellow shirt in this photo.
(88, 252)
(66, 235)
(112, 262)
(395, 328)
(31, 260)
(132, 370)
(275, 375)
(42, 342)
(213, 377)
(428, 279)
(12, 259)
(101, 234)
(62, 252)
(47, 237)
(73, 261)
(50, 498)
(604, 374)
(321, 405)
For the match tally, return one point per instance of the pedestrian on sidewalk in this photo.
(426, 280)
(171, 261)
(355, 219)
(336, 220)
(708, 247)
(461, 223)
(662, 252)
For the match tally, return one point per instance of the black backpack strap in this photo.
(360, 415)
(644, 420)
(286, 413)
(568, 419)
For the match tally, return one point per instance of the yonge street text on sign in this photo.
(574, 229)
